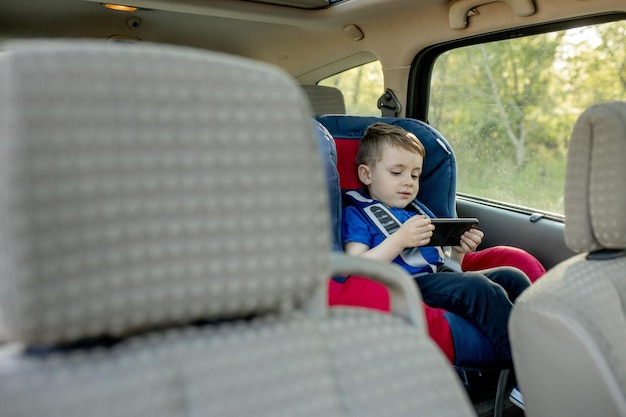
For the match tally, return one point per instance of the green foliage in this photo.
(361, 87)
(508, 108)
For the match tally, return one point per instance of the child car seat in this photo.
(470, 348)
(466, 347)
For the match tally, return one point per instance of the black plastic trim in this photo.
(534, 215)
(606, 254)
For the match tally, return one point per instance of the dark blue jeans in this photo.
(483, 298)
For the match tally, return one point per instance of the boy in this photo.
(389, 163)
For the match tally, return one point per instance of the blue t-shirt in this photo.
(357, 227)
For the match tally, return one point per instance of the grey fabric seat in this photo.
(325, 100)
(568, 331)
(164, 249)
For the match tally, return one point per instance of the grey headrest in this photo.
(325, 100)
(149, 185)
(595, 187)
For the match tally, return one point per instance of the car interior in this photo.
(172, 178)
(133, 285)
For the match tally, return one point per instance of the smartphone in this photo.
(448, 232)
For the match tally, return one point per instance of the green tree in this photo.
(506, 81)
(591, 65)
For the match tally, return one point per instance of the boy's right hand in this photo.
(416, 231)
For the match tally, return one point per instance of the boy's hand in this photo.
(469, 241)
(416, 231)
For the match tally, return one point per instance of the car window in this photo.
(508, 108)
(361, 87)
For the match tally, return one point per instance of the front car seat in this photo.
(165, 246)
(568, 330)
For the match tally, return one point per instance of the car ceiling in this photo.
(308, 43)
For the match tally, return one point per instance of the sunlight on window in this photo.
(361, 87)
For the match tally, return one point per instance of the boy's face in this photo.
(394, 180)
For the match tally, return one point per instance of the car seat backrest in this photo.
(438, 179)
(580, 346)
(164, 247)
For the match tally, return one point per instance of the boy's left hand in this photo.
(469, 241)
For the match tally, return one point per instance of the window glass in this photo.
(361, 87)
(508, 108)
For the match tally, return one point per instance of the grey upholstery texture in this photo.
(595, 201)
(325, 100)
(568, 331)
(164, 248)
(121, 173)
